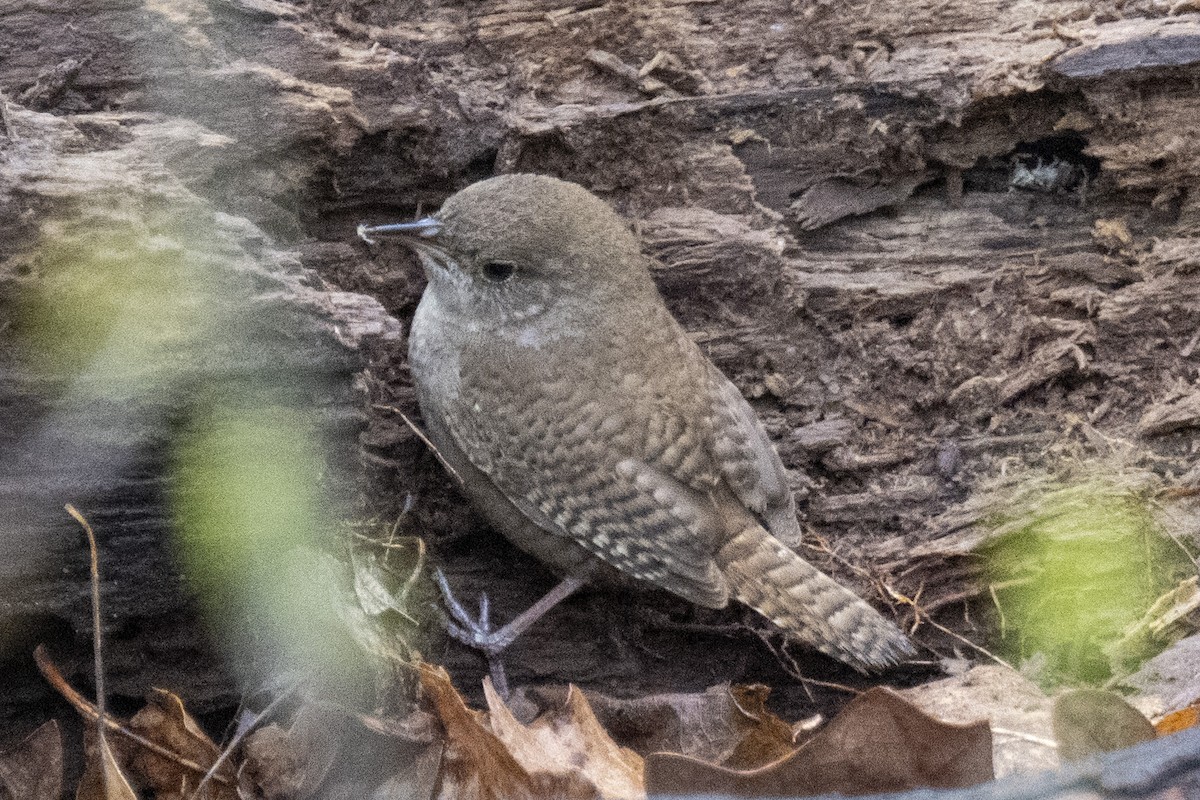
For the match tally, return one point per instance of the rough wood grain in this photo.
(896, 225)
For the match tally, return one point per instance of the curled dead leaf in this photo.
(147, 743)
(570, 739)
(1179, 720)
(165, 721)
(476, 764)
(103, 777)
(33, 770)
(764, 737)
(879, 743)
(723, 725)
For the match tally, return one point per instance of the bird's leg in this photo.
(478, 633)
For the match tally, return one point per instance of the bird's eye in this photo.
(498, 271)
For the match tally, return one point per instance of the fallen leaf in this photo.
(572, 739)
(476, 765)
(377, 586)
(273, 764)
(329, 751)
(159, 730)
(293, 762)
(724, 725)
(166, 722)
(1017, 710)
(33, 770)
(1178, 721)
(879, 743)
(1091, 721)
(371, 629)
(103, 778)
(764, 736)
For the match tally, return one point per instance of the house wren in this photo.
(592, 431)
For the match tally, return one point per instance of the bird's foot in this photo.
(477, 633)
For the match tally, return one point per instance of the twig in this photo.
(1175, 538)
(6, 126)
(789, 665)
(239, 736)
(97, 638)
(901, 599)
(950, 599)
(421, 435)
(52, 675)
(972, 645)
(1028, 737)
(999, 610)
(841, 687)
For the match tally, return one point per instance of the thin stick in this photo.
(6, 127)
(421, 435)
(97, 639)
(239, 736)
(1027, 737)
(999, 610)
(1178, 542)
(52, 675)
(920, 612)
(972, 645)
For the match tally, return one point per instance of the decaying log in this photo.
(927, 240)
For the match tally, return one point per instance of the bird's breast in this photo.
(434, 353)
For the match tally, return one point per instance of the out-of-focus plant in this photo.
(155, 330)
(1070, 569)
(247, 508)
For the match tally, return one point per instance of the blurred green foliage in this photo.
(127, 297)
(246, 512)
(148, 320)
(1070, 570)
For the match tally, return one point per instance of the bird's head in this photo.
(518, 246)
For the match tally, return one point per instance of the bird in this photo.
(588, 427)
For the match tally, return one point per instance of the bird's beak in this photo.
(423, 230)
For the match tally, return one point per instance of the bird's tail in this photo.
(807, 603)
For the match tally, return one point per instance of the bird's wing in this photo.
(626, 480)
(748, 461)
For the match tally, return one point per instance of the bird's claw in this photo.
(477, 633)
(473, 632)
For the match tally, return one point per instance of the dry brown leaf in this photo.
(879, 743)
(328, 751)
(103, 778)
(764, 736)
(293, 762)
(724, 725)
(1091, 721)
(1008, 701)
(273, 764)
(1179, 720)
(166, 722)
(569, 739)
(476, 765)
(33, 770)
(129, 742)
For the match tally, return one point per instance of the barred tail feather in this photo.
(808, 604)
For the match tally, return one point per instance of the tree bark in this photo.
(944, 248)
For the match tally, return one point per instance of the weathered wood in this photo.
(934, 243)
